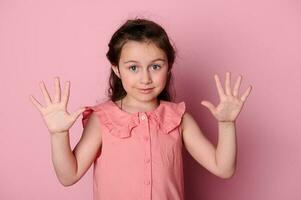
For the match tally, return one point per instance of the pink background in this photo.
(258, 39)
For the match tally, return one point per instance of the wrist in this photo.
(59, 133)
(226, 122)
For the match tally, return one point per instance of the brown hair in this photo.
(141, 30)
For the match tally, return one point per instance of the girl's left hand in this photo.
(230, 104)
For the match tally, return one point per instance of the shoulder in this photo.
(172, 111)
(187, 120)
(175, 108)
(104, 104)
(176, 112)
(171, 103)
(95, 113)
(98, 108)
(93, 122)
(187, 117)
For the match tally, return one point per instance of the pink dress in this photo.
(141, 153)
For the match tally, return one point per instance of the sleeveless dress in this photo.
(141, 153)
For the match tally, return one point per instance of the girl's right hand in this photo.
(55, 113)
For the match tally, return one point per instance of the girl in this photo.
(135, 137)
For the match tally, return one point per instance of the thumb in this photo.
(77, 113)
(208, 105)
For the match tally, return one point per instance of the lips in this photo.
(147, 90)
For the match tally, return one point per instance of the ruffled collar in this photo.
(167, 116)
(122, 112)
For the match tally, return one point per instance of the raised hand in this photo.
(230, 103)
(55, 113)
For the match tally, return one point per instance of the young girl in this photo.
(135, 138)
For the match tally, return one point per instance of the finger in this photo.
(228, 83)
(237, 85)
(208, 105)
(246, 94)
(57, 97)
(220, 89)
(45, 93)
(65, 97)
(36, 103)
(76, 114)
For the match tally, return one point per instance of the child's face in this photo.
(141, 66)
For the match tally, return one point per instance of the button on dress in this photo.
(141, 153)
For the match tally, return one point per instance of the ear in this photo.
(116, 70)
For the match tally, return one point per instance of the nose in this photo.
(146, 77)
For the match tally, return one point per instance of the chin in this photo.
(147, 97)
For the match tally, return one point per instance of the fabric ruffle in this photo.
(120, 124)
(170, 117)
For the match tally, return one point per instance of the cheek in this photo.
(128, 82)
(162, 78)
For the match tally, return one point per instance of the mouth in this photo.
(146, 90)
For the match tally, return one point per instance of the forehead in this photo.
(141, 51)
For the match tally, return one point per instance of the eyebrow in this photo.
(151, 61)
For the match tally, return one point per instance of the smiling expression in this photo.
(142, 66)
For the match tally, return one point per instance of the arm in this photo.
(226, 148)
(69, 165)
(63, 159)
(221, 160)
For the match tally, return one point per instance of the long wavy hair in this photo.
(140, 30)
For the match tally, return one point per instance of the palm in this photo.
(230, 103)
(55, 113)
(57, 118)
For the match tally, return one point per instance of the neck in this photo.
(140, 106)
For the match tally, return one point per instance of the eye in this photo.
(131, 67)
(157, 66)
